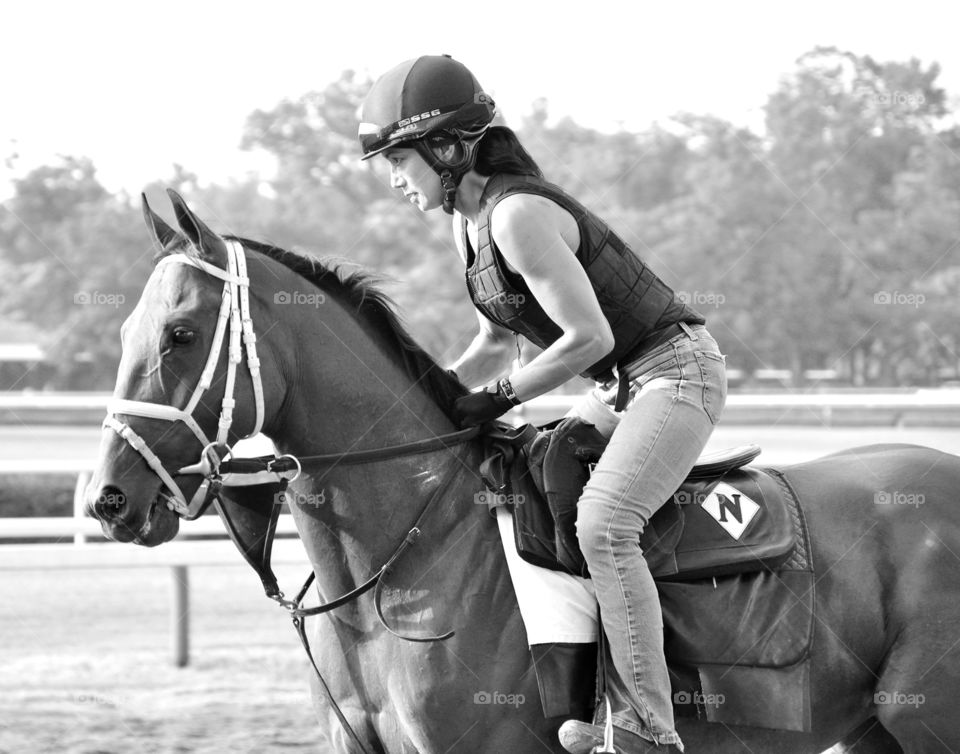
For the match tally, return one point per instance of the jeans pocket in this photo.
(714, 372)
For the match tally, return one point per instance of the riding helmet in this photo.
(430, 103)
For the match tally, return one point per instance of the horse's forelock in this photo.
(180, 245)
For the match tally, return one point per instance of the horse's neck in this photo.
(346, 391)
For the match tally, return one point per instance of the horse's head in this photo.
(188, 387)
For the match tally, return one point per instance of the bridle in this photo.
(234, 316)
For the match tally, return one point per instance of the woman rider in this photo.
(541, 265)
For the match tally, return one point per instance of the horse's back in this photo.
(880, 453)
(885, 519)
(884, 526)
(892, 497)
(881, 474)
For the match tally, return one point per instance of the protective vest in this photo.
(639, 306)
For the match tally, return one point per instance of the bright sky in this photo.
(138, 87)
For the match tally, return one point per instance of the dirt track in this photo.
(86, 666)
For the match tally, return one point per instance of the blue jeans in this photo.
(677, 393)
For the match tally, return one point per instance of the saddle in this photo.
(729, 551)
(723, 520)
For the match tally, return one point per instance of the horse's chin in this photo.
(159, 525)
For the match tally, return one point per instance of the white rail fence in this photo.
(83, 545)
(904, 407)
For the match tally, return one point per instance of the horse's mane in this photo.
(358, 288)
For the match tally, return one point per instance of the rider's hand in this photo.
(482, 406)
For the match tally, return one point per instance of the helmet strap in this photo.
(449, 189)
(450, 173)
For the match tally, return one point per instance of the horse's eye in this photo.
(182, 336)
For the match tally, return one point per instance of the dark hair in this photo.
(500, 151)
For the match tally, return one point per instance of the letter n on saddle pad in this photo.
(730, 555)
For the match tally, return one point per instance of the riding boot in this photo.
(567, 678)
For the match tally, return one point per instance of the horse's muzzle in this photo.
(125, 521)
(108, 505)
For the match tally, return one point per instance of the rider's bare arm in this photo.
(489, 355)
(539, 239)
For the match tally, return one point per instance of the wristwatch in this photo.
(504, 387)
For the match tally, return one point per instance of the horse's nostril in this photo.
(109, 502)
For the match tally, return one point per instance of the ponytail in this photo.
(500, 151)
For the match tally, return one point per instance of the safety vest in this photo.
(639, 306)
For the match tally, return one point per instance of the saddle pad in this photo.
(747, 520)
(738, 647)
(752, 619)
(739, 520)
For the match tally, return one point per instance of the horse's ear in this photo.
(211, 246)
(163, 233)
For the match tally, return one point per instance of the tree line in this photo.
(829, 242)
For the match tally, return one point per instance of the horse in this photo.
(331, 371)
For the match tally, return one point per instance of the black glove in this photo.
(480, 407)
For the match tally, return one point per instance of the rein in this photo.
(291, 463)
(294, 606)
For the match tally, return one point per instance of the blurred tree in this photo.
(321, 188)
(842, 134)
(832, 240)
(73, 253)
(329, 203)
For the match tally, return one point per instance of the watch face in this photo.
(507, 389)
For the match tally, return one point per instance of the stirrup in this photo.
(607, 747)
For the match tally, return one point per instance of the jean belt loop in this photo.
(623, 390)
(690, 333)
